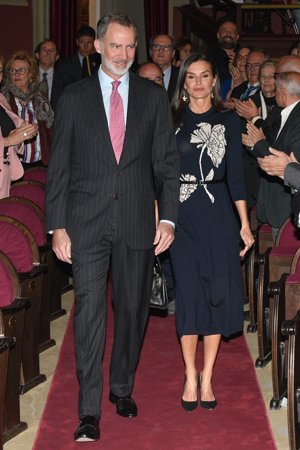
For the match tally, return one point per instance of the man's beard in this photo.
(228, 44)
(115, 70)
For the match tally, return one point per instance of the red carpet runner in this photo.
(238, 423)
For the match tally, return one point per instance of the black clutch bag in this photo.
(159, 294)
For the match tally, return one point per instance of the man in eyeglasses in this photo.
(247, 89)
(162, 52)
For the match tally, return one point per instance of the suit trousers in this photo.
(131, 273)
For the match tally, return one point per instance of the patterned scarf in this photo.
(40, 102)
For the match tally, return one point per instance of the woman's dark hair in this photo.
(178, 103)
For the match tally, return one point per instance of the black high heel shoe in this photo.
(190, 406)
(204, 404)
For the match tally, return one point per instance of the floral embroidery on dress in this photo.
(212, 139)
(186, 190)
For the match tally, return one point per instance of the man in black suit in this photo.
(162, 52)
(286, 167)
(274, 200)
(85, 61)
(100, 206)
(52, 79)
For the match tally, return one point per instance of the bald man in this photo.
(152, 72)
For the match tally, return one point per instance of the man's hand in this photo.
(61, 245)
(237, 77)
(164, 237)
(253, 135)
(246, 109)
(276, 163)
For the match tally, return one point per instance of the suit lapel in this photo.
(136, 108)
(95, 107)
(291, 118)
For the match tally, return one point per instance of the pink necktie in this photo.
(116, 123)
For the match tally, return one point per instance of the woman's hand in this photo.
(247, 238)
(23, 133)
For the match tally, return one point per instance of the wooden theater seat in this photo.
(35, 191)
(36, 174)
(18, 243)
(284, 305)
(28, 213)
(291, 328)
(272, 264)
(5, 344)
(263, 240)
(12, 310)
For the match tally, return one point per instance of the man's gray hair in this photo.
(290, 82)
(268, 63)
(120, 19)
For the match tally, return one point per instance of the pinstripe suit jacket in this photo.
(84, 179)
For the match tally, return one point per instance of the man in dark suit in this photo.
(85, 61)
(286, 167)
(52, 80)
(162, 52)
(274, 199)
(100, 207)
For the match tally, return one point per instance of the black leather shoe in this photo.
(190, 406)
(125, 406)
(88, 430)
(206, 404)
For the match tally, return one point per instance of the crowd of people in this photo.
(201, 138)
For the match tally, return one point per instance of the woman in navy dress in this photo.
(205, 254)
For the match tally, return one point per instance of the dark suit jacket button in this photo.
(115, 196)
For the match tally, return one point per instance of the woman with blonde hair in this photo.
(26, 99)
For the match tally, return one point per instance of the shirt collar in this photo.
(48, 72)
(254, 85)
(287, 111)
(106, 80)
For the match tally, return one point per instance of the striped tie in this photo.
(248, 92)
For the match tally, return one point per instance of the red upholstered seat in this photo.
(288, 235)
(275, 262)
(33, 190)
(18, 243)
(265, 229)
(36, 174)
(27, 213)
(15, 245)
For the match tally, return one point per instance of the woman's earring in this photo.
(184, 97)
(212, 95)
